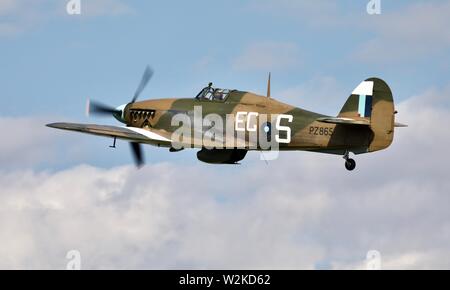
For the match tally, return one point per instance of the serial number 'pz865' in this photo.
(322, 131)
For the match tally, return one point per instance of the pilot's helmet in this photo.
(218, 94)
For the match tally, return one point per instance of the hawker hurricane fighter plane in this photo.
(236, 122)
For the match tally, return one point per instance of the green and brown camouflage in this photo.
(365, 123)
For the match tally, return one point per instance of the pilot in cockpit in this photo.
(218, 94)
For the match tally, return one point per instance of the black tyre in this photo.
(350, 164)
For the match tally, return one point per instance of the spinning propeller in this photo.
(100, 109)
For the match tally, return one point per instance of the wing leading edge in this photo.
(150, 136)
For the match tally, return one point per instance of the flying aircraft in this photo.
(365, 123)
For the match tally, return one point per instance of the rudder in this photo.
(372, 101)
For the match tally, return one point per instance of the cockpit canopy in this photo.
(213, 94)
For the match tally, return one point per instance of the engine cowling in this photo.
(221, 156)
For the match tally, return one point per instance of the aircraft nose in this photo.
(120, 115)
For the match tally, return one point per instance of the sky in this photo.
(65, 191)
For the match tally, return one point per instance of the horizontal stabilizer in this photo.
(399, 125)
(344, 121)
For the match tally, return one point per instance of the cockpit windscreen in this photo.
(212, 94)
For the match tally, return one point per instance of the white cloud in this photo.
(268, 56)
(301, 211)
(415, 31)
(26, 141)
(146, 217)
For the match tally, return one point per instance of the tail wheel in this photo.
(350, 164)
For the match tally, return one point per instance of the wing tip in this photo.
(62, 126)
(54, 125)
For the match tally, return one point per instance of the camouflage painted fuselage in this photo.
(306, 132)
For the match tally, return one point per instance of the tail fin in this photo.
(372, 101)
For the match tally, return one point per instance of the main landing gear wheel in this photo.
(350, 164)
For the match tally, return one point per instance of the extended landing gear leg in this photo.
(114, 144)
(350, 164)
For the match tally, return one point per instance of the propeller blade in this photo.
(97, 108)
(148, 73)
(136, 150)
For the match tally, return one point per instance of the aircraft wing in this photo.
(344, 121)
(150, 136)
